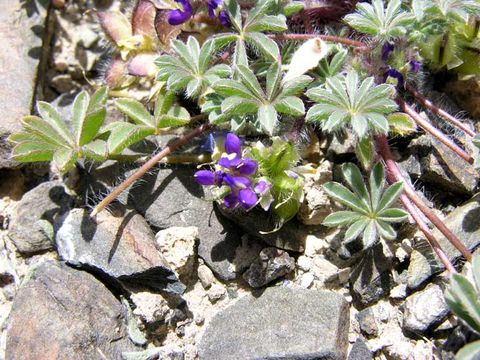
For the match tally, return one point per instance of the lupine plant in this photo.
(226, 66)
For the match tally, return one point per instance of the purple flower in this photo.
(386, 50)
(215, 9)
(414, 66)
(262, 189)
(393, 76)
(178, 16)
(234, 172)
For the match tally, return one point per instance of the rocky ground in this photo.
(166, 274)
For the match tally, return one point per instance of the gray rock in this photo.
(121, 247)
(281, 323)
(424, 310)
(271, 264)
(360, 351)
(62, 313)
(443, 168)
(23, 27)
(205, 276)
(169, 198)
(371, 278)
(422, 265)
(37, 214)
(366, 320)
(259, 224)
(463, 222)
(412, 166)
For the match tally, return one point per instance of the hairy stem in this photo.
(407, 204)
(427, 126)
(436, 110)
(331, 38)
(394, 174)
(148, 165)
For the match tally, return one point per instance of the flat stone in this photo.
(270, 265)
(171, 197)
(37, 214)
(120, 247)
(371, 279)
(62, 313)
(443, 168)
(281, 323)
(366, 320)
(22, 29)
(178, 245)
(360, 351)
(425, 309)
(258, 223)
(464, 223)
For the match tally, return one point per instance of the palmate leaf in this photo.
(371, 213)
(190, 69)
(48, 138)
(166, 115)
(246, 97)
(377, 20)
(264, 17)
(344, 100)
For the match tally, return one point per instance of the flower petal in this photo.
(394, 77)
(232, 144)
(230, 201)
(247, 167)
(262, 187)
(177, 17)
(230, 161)
(386, 50)
(236, 182)
(247, 198)
(224, 18)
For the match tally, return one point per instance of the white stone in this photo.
(206, 276)
(177, 245)
(215, 293)
(314, 245)
(306, 280)
(304, 263)
(399, 292)
(150, 307)
(324, 270)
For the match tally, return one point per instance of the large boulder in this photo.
(62, 313)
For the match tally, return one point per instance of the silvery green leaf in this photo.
(341, 218)
(185, 56)
(235, 15)
(238, 106)
(292, 8)
(393, 215)
(365, 152)
(469, 352)
(52, 117)
(257, 12)
(91, 126)
(44, 130)
(401, 124)
(135, 111)
(123, 134)
(355, 229)
(273, 80)
(385, 230)
(232, 88)
(240, 53)
(133, 331)
(32, 151)
(390, 196)
(476, 270)
(466, 302)
(274, 23)
(194, 88)
(96, 150)
(65, 158)
(354, 179)
(267, 116)
(345, 197)
(369, 234)
(79, 113)
(98, 99)
(290, 105)
(249, 79)
(264, 44)
(295, 86)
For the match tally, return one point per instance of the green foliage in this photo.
(250, 31)
(166, 115)
(345, 101)
(190, 70)
(377, 20)
(463, 298)
(327, 69)
(47, 137)
(275, 165)
(371, 212)
(246, 96)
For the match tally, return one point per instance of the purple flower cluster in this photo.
(215, 9)
(235, 172)
(392, 75)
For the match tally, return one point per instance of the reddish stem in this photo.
(436, 110)
(407, 204)
(427, 126)
(148, 165)
(394, 174)
(301, 37)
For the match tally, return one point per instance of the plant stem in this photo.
(148, 165)
(394, 174)
(427, 232)
(301, 37)
(427, 126)
(436, 110)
